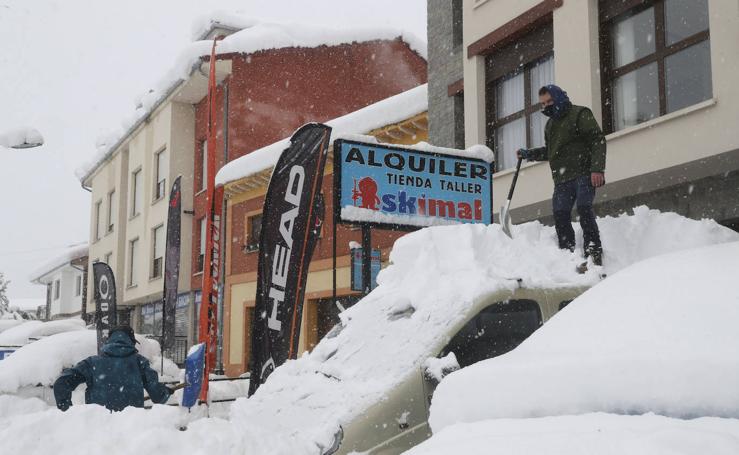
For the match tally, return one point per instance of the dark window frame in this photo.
(252, 238)
(610, 13)
(509, 61)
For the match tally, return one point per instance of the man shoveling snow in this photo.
(115, 379)
(576, 151)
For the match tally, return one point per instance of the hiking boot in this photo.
(594, 252)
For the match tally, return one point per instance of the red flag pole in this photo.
(214, 199)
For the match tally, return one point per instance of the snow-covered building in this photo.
(65, 279)
(659, 75)
(400, 119)
(272, 78)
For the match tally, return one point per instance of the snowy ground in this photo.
(435, 276)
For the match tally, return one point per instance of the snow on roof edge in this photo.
(238, 42)
(71, 253)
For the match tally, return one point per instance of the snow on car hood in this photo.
(435, 276)
(659, 336)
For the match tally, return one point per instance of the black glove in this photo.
(524, 154)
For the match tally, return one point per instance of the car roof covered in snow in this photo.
(659, 336)
(436, 276)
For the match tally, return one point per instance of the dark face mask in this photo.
(548, 110)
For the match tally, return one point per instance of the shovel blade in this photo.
(505, 219)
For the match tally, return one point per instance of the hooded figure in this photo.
(115, 379)
(561, 103)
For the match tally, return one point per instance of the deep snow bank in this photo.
(660, 336)
(590, 434)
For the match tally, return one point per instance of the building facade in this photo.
(659, 75)
(65, 279)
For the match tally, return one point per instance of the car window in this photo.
(495, 330)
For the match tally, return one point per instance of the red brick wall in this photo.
(272, 93)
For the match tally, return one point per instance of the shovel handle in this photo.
(179, 386)
(515, 179)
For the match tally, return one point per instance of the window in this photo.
(136, 192)
(514, 75)
(157, 261)
(133, 247)
(656, 59)
(98, 220)
(111, 211)
(253, 232)
(57, 290)
(494, 331)
(459, 120)
(203, 165)
(201, 248)
(78, 286)
(161, 173)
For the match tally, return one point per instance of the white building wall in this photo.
(68, 303)
(694, 142)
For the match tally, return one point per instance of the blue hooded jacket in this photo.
(116, 379)
(561, 104)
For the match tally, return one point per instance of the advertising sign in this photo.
(395, 187)
(105, 301)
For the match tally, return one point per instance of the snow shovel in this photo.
(505, 214)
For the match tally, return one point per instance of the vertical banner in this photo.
(171, 266)
(291, 222)
(207, 327)
(105, 304)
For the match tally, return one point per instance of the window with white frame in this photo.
(133, 253)
(98, 220)
(111, 211)
(160, 180)
(78, 286)
(201, 247)
(203, 165)
(136, 192)
(157, 260)
(57, 289)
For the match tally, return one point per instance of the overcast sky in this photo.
(73, 68)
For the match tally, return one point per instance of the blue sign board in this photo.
(357, 284)
(382, 184)
(194, 366)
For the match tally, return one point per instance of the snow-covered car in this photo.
(30, 331)
(645, 362)
(469, 290)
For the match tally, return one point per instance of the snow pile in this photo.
(436, 276)
(590, 434)
(23, 137)
(220, 19)
(41, 362)
(386, 112)
(18, 335)
(659, 336)
(440, 272)
(6, 324)
(65, 257)
(259, 36)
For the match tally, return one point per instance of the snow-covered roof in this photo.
(353, 126)
(659, 336)
(441, 272)
(258, 36)
(70, 254)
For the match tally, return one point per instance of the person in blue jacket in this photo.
(115, 379)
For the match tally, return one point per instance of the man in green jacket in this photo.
(576, 150)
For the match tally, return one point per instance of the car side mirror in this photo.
(436, 369)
